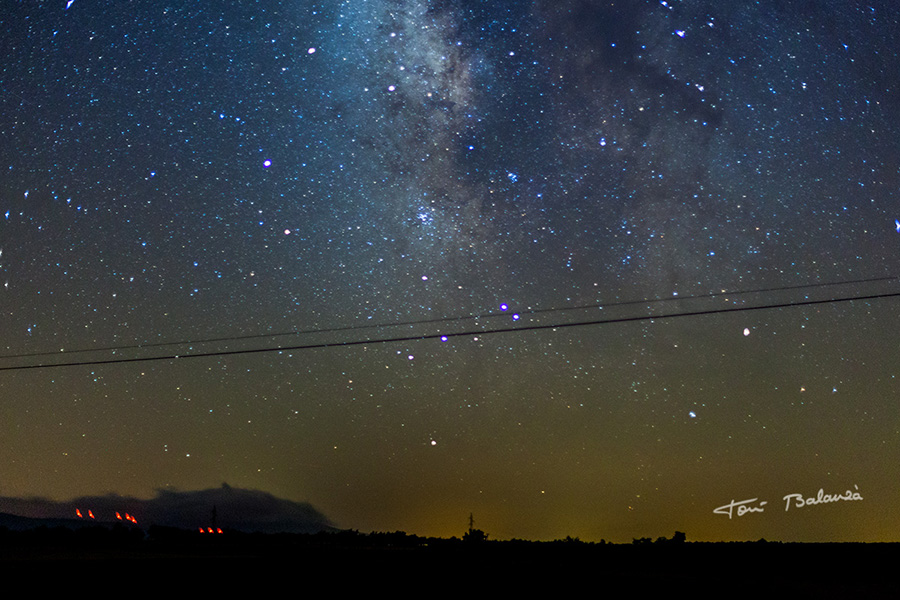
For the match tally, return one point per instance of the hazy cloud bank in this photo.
(235, 508)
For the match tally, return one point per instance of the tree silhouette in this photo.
(474, 536)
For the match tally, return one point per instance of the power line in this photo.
(447, 336)
(443, 319)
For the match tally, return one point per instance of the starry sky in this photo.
(349, 181)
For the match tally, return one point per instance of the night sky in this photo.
(195, 177)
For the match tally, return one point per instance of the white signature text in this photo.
(754, 505)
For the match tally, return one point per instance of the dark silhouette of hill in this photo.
(17, 523)
(226, 507)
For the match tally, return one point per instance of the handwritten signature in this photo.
(742, 507)
(753, 505)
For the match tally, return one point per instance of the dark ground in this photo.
(163, 558)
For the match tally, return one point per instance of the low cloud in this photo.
(231, 508)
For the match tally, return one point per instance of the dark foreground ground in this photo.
(408, 565)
